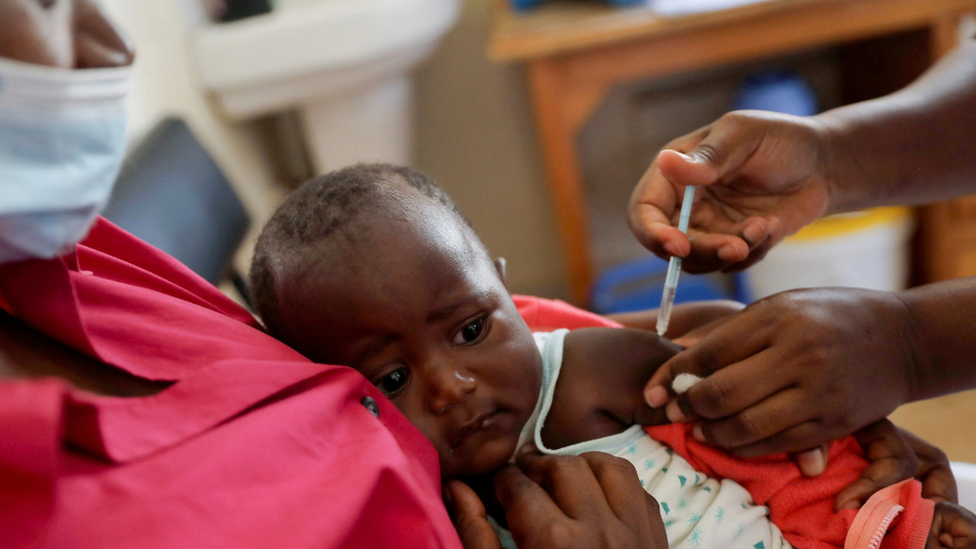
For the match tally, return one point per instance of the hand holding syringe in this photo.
(674, 267)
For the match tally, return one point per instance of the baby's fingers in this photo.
(953, 527)
(891, 460)
(938, 482)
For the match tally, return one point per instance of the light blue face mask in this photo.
(62, 138)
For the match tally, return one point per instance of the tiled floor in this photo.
(948, 422)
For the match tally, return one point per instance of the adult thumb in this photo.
(812, 462)
(719, 153)
(468, 515)
(686, 168)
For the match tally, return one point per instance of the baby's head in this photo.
(374, 267)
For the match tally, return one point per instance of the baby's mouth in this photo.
(472, 426)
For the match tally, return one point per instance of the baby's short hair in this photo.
(322, 209)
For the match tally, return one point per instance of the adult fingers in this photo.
(620, 484)
(570, 481)
(469, 516)
(528, 508)
(736, 248)
(98, 41)
(549, 511)
(733, 389)
(659, 534)
(649, 212)
(713, 251)
(729, 343)
(727, 144)
(716, 241)
(654, 232)
(764, 428)
(737, 163)
(654, 205)
(620, 487)
(692, 322)
(812, 462)
(800, 436)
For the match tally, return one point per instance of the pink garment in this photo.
(252, 446)
(896, 517)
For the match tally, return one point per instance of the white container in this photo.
(861, 250)
(965, 474)
(345, 65)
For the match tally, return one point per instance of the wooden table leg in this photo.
(944, 246)
(561, 110)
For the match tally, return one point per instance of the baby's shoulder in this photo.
(601, 381)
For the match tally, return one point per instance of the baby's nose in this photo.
(449, 388)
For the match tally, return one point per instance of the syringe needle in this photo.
(674, 267)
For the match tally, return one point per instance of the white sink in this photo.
(344, 64)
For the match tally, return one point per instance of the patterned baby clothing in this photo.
(698, 511)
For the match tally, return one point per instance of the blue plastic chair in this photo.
(777, 90)
(523, 5)
(171, 194)
(638, 285)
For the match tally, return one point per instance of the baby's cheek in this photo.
(413, 409)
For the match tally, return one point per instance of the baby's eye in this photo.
(471, 333)
(393, 382)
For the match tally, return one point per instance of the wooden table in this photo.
(576, 52)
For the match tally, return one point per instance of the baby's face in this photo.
(419, 309)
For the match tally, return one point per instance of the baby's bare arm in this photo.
(600, 387)
(687, 319)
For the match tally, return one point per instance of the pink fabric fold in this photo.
(252, 446)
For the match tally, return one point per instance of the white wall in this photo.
(476, 137)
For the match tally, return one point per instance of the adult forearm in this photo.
(915, 146)
(943, 336)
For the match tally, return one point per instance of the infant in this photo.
(374, 267)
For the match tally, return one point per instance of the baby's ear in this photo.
(500, 268)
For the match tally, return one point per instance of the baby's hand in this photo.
(938, 482)
(890, 460)
(953, 527)
(895, 455)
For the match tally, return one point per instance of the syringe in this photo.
(674, 267)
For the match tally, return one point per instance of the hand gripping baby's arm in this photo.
(893, 455)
